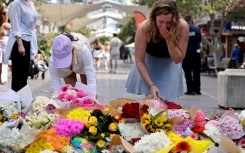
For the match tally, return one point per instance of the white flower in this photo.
(117, 149)
(9, 108)
(213, 132)
(241, 115)
(130, 130)
(41, 103)
(8, 136)
(152, 143)
(105, 151)
(41, 120)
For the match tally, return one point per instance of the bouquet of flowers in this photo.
(156, 123)
(152, 143)
(185, 145)
(131, 111)
(67, 94)
(99, 129)
(130, 131)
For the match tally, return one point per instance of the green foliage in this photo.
(127, 32)
(45, 43)
(189, 7)
(149, 3)
(85, 31)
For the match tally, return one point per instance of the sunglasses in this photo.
(4, 13)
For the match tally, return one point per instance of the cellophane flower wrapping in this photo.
(152, 143)
(27, 136)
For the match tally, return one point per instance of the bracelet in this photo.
(151, 85)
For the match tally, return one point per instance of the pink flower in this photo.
(65, 88)
(69, 128)
(61, 96)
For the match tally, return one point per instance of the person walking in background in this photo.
(106, 54)
(235, 53)
(97, 53)
(22, 42)
(5, 31)
(71, 54)
(115, 44)
(192, 61)
(160, 47)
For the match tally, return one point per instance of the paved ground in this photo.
(111, 86)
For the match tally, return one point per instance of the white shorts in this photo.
(97, 54)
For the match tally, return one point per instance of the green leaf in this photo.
(157, 115)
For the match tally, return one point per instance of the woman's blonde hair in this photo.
(164, 7)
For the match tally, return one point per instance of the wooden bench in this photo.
(220, 66)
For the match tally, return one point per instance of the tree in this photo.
(222, 8)
(127, 32)
(216, 10)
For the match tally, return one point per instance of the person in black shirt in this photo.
(192, 61)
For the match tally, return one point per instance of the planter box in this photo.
(231, 88)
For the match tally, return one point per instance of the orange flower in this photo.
(57, 141)
(183, 146)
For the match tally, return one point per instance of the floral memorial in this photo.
(72, 121)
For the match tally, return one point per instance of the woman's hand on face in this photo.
(155, 92)
(165, 33)
(21, 50)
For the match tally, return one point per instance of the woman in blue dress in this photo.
(160, 46)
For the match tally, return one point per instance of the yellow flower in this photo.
(122, 121)
(1, 117)
(1, 123)
(169, 126)
(102, 135)
(145, 119)
(92, 120)
(117, 117)
(158, 122)
(87, 124)
(14, 116)
(100, 143)
(112, 127)
(162, 118)
(112, 135)
(92, 130)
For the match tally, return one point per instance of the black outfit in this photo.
(192, 62)
(158, 49)
(20, 66)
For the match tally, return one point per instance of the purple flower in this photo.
(50, 108)
(23, 115)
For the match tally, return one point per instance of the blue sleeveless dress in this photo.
(165, 74)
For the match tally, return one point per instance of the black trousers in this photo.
(192, 68)
(20, 66)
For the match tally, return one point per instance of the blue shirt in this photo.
(235, 53)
